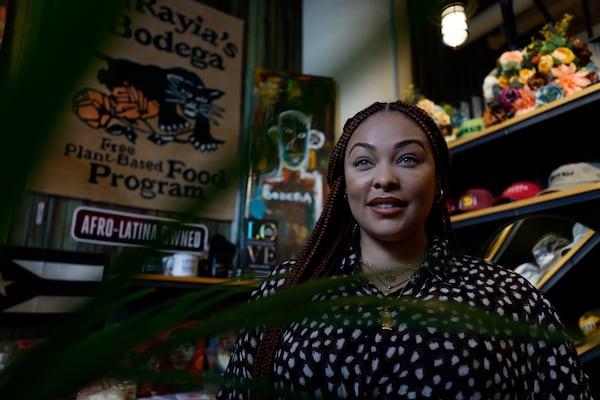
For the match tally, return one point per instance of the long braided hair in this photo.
(335, 229)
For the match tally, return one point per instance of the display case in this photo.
(530, 147)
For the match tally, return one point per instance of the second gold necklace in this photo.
(386, 316)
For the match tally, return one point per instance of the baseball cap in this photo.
(475, 199)
(452, 205)
(589, 322)
(571, 175)
(518, 191)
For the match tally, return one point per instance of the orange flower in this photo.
(92, 107)
(567, 77)
(525, 74)
(502, 81)
(97, 109)
(545, 64)
(563, 55)
(130, 103)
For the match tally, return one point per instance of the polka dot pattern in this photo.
(441, 346)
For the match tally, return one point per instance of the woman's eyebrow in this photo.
(406, 142)
(400, 144)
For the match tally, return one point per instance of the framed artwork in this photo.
(291, 135)
(154, 120)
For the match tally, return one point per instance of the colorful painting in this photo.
(291, 134)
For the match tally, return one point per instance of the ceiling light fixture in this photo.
(455, 29)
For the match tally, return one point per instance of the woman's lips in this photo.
(387, 202)
(387, 205)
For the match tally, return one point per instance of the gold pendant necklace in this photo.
(387, 322)
(386, 319)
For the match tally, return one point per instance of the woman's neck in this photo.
(398, 256)
(391, 265)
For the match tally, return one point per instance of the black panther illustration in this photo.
(139, 93)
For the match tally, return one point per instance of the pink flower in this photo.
(526, 101)
(512, 58)
(569, 79)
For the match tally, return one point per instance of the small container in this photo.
(180, 264)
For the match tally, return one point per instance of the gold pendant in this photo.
(386, 319)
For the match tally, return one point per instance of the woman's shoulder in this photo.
(479, 265)
(471, 271)
(487, 283)
(480, 271)
(274, 279)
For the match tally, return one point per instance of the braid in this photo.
(324, 259)
(335, 230)
(265, 355)
(335, 216)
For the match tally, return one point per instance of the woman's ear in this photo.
(439, 195)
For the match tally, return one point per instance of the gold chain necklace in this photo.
(388, 278)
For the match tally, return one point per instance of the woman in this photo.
(445, 326)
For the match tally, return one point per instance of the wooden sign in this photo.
(154, 123)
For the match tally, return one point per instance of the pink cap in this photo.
(519, 191)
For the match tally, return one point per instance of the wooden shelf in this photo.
(588, 95)
(590, 348)
(192, 281)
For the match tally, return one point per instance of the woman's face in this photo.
(390, 178)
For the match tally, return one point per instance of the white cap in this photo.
(571, 175)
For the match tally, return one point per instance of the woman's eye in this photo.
(408, 159)
(362, 162)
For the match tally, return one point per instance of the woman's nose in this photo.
(385, 178)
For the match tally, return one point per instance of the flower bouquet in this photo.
(447, 117)
(544, 71)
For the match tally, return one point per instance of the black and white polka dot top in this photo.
(441, 344)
